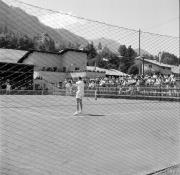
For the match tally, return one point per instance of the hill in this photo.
(111, 44)
(18, 21)
(114, 45)
(71, 37)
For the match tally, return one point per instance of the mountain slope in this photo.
(111, 44)
(72, 37)
(114, 45)
(19, 21)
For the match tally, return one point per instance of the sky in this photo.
(116, 21)
(155, 16)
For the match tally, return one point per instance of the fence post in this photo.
(160, 91)
(140, 67)
(95, 94)
(116, 90)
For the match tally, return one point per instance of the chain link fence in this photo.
(135, 131)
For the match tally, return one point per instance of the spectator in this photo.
(68, 88)
(8, 87)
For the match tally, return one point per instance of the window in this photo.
(150, 66)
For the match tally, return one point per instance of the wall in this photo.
(44, 60)
(53, 77)
(71, 60)
(86, 74)
(156, 68)
(77, 74)
(49, 78)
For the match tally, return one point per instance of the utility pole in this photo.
(143, 66)
(139, 42)
(179, 41)
(140, 66)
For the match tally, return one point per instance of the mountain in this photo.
(114, 45)
(111, 44)
(18, 21)
(72, 37)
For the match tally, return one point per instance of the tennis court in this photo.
(40, 136)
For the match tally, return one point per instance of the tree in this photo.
(128, 56)
(147, 56)
(122, 50)
(44, 42)
(48, 43)
(107, 59)
(91, 51)
(134, 69)
(2, 41)
(168, 58)
(131, 53)
(99, 46)
(25, 43)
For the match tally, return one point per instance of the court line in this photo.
(70, 116)
(59, 105)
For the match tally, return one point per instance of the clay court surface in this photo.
(40, 136)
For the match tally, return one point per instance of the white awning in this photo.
(110, 72)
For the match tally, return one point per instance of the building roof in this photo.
(158, 63)
(18, 56)
(174, 69)
(11, 55)
(47, 52)
(115, 72)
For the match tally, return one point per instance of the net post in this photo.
(95, 94)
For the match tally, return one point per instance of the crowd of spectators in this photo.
(155, 80)
(128, 85)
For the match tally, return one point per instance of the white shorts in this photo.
(79, 95)
(8, 89)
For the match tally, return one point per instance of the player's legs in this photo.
(81, 105)
(78, 104)
(7, 91)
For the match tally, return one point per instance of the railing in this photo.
(140, 92)
(25, 92)
(111, 92)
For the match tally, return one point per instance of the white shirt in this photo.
(80, 89)
(8, 87)
(68, 85)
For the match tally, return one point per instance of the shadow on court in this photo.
(95, 115)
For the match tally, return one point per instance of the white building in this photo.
(152, 66)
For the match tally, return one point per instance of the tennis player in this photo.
(79, 95)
